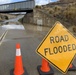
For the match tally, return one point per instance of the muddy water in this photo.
(12, 23)
(18, 31)
(15, 24)
(29, 30)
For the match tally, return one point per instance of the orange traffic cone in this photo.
(72, 68)
(45, 69)
(18, 69)
(45, 66)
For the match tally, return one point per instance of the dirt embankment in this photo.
(4, 17)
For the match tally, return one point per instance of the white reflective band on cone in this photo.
(18, 52)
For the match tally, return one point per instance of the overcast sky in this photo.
(41, 2)
(38, 2)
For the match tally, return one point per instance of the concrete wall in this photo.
(39, 17)
(28, 18)
(43, 18)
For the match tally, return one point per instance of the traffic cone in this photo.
(45, 69)
(45, 66)
(72, 68)
(18, 67)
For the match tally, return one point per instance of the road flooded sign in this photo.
(58, 47)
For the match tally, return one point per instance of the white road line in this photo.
(3, 36)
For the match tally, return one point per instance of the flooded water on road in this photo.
(13, 26)
(12, 23)
(18, 31)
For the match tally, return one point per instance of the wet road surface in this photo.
(29, 38)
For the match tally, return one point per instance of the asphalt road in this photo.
(29, 40)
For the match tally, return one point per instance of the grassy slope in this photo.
(64, 12)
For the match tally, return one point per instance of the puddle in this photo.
(35, 28)
(13, 26)
(14, 19)
(11, 23)
(39, 28)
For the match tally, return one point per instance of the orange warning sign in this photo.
(58, 47)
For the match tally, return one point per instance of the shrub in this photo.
(51, 11)
(70, 14)
(57, 8)
(37, 6)
(70, 5)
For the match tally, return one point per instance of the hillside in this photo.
(63, 12)
(68, 1)
(47, 15)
